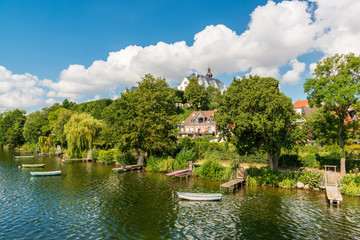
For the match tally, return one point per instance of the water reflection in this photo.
(88, 200)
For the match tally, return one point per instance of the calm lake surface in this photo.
(89, 201)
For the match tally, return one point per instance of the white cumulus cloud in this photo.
(293, 76)
(19, 90)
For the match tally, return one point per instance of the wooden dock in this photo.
(129, 168)
(237, 182)
(332, 185)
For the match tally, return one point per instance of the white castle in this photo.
(205, 81)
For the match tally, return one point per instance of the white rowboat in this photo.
(200, 196)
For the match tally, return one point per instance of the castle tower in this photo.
(209, 74)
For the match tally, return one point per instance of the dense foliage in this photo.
(256, 115)
(336, 87)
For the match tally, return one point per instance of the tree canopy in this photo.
(81, 131)
(336, 87)
(11, 128)
(255, 115)
(145, 119)
(196, 95)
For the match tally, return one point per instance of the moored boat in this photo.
(177, 172)
(24, 156)
(33, 165)
(200, 196)
(49, 173)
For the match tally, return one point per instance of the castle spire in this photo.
(209, 74)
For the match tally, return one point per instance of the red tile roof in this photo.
(207, 114)
(301, 103)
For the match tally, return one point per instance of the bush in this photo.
(152, 164)
(124, 158)
(258, 158)
(52, 150)
(211, 168)
(251, 181)
(106, 156)
(313, 178)
(287, 183)
(29, 147)
(310, 161)
(94, 154)
(351, 184)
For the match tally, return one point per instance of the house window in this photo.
(187, 129)
(208, 129)
(213, 129)
(192, 120)
(191, 129)
(200, 120)
(210, 120)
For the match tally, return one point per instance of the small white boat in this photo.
(49, 173)
(200, 196)
(33, 165)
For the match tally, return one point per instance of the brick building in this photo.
(199, 123)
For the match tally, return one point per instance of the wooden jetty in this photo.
(332, 184)
(129, 168)
(237, 182)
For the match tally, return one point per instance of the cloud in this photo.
(276, 33)
(19, 90)
(339, 22)
(293, 76)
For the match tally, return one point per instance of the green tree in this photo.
(33, 126)
(81, 131)
(255, 115)
(196, 95)
(336, 87)
(64, 116)
(145, 119)
(321, 126)
(11, 126)
(214, 97)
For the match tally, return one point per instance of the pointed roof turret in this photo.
(209, 74)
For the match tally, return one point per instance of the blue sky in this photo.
(84, 50)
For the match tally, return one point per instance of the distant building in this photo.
(205, 81)
(199, 123)
(131, 89)
(299, 106)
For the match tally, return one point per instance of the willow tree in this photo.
(255, 116)
(81, 131)
(336, 87)
(145, 119)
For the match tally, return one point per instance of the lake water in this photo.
(89, 201)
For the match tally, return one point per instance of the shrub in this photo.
(259, 158)
(287, 183)
(95, 154)
(251, 181)
(106, 156)
(52, 150)
(351, 184)
(312, 178)
(152, 164)
(211, 168)
(166, 165)
(124, 158)
(310, 161)
(29, 147)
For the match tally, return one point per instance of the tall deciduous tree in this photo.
(145, 119)
(11, 126)
(196, 95)
(33, 126)
(81, 131)
(255, 115)
(336, 86)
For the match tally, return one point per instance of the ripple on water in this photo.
(90, 201)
